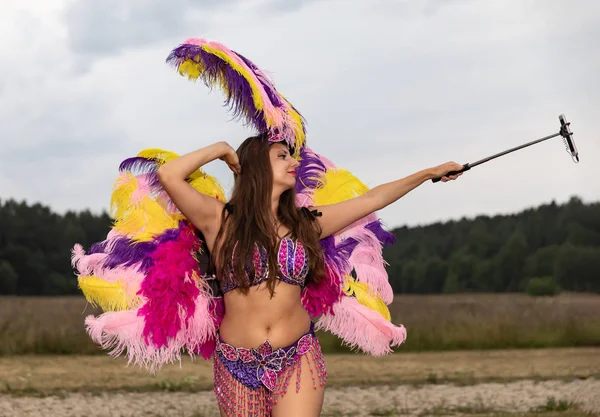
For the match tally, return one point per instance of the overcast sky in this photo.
(387, 88)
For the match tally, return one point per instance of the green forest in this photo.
(546, 248)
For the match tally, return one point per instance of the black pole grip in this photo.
(466, 167)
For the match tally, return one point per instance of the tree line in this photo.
(559, 244)
(502, 253)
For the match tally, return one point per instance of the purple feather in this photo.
(310, 170)
(98, 247)
(269, 88)
(346, 247)
(143, 166)
(386, 238)
(335, 256)
(170, 234)
(126, 252)
(139, 165)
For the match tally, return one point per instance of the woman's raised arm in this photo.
(201, 210)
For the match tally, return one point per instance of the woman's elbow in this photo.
(163, 175)
(375, 199)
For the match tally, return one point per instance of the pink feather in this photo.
(356, 227)
(85, 264)
(144, 188)
(327, 162)
(367, 259)
(177, 314)
(360, 327)
(319, 299)
(369, 267)
(304, 200)
(202, 326)
(123, 333)
(170, 288)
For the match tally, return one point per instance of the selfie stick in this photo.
(565, 132)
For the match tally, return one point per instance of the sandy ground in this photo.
(405, 400)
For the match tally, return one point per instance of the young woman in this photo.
(264, 250)
(296, 248)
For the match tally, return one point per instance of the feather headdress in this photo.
(249, 93)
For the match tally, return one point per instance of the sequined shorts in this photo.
(249, 381)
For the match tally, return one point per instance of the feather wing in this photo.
(351, 302)
(146, 275)
(362, 327)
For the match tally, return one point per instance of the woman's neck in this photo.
(275, 205)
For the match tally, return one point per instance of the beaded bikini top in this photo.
(292, 263)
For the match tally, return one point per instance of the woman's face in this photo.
(283, 165)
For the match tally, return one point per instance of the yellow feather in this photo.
(208, 185)
(147, 217)
(145, 221)
(298, 130)
(191, 69)
(140, 221)
(338, 185)
(162, 155)
(109, 296)
(365, 296)
(124, 187)
(199, 174)
(201, 181)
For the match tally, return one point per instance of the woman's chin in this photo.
(290, 184)
(286, 183)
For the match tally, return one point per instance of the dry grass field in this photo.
(49, 325)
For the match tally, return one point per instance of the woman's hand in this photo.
(441, 171)
(229, 156)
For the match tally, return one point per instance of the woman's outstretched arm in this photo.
(338, 216)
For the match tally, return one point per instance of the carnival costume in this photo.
(150, 275)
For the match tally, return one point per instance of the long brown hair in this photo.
(250, 221)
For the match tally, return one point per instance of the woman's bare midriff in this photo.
(252, 318)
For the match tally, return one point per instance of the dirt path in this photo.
(468, 382)
(405, 400)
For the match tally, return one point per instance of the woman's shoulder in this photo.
(311, 213)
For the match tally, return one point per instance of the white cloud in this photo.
(110, 27)
(388, 88)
